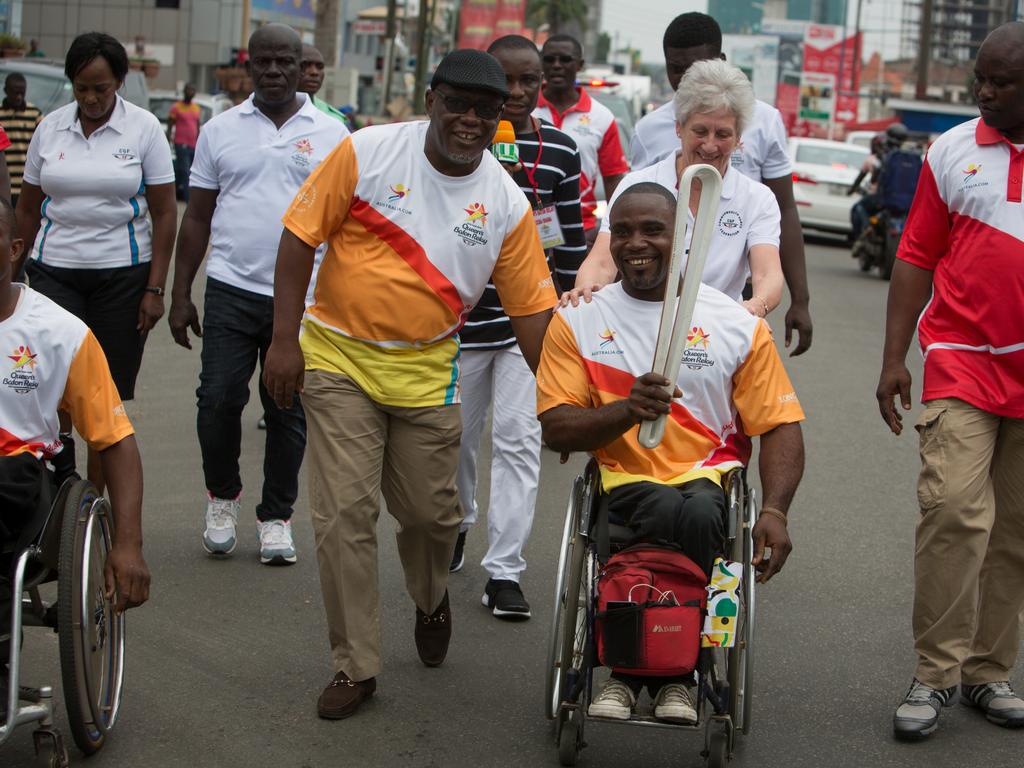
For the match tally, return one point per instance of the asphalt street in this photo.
(226, 661)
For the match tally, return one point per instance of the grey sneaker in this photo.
(615, 700)
(918, 715)
(997, 701)
(221, 519)
(276, 545)
(674, 704)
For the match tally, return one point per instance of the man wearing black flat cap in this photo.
(418, 216)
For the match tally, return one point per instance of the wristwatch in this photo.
(154, 289)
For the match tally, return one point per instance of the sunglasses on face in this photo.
(460, 106)
(561, 58)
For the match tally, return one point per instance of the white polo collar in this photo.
(307, 110)
(117, 122)
(729, 182)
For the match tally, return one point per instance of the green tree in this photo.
(604, 45)
(555, 13)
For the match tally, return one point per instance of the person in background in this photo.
(33, 50)
(97, 171)
(762, 155)
(312, 79)
(588, 122)
(19, 119)
(250, 162)
(183, 120)
(493, 368)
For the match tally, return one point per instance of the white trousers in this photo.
(515, 453)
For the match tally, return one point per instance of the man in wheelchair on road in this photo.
(594, 389)
(52, 361)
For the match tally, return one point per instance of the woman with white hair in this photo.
(713, 105)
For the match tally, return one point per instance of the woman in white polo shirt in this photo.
(713, 105)
(94, 169)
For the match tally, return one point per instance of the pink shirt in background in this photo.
(186, 123)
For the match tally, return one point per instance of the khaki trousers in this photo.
(358, 449)
(969, 561)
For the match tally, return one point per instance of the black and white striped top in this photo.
(557, 177)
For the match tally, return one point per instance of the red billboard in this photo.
(830, 80)
(483, 21)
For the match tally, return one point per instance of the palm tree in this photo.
(555, 13)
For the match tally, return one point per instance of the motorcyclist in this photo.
(869, 204)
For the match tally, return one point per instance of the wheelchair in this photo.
(724, 675)
(68, 542)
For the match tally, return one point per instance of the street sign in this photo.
(369, 27)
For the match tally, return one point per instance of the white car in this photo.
(822, 173)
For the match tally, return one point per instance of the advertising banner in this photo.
(830, 79)
(483, 21)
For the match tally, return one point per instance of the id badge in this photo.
(548, 228)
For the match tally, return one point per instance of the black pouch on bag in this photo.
(622, 634)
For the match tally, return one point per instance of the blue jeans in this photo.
(183, 157)
(237, 328)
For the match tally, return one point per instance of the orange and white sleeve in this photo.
(92, 400)
(521, 274)
(762, 391)
(323, 201)
(561, 377)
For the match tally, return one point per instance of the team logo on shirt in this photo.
(398, 194)
(607, 337)
(730, 223)
(303, 151)
(695, 355)
(607, 345)
(125, 153)
(472, 229)
(22, 378)
(970, 174)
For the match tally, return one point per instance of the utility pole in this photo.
(424, 30)
(246, 10)
(325, 37)
(390, 30)
(924, 50)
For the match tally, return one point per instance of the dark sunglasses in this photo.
(459, 106)
(561, 58)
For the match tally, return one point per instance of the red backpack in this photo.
(650, 606)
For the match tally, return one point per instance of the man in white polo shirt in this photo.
(250, 162)
(762, 156)
(959, 280)
(589, 123)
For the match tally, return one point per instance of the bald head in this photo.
(999, 80)
(275, 35)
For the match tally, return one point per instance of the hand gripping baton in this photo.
(681, 294)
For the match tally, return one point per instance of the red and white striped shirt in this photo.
(592, 126)
(967, 226)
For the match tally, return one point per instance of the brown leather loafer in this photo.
(342, 697)
(433, 633)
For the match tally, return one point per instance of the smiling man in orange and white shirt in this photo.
(594, 388)
(418, 216)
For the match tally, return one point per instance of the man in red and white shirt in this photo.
(590, 124)
(960, 276)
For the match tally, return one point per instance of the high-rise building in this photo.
(818, 11)
(736, 18)
(958, 27)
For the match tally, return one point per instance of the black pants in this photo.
(21, 480)
(237, 328)
(690, 516)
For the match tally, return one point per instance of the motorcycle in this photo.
(878, 243)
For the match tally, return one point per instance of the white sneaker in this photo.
(674, 705)
(221, 518)
(616, 700)
(276, 545)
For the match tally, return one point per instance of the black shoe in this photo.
(433, 633)
(458, 556)
(505, 599)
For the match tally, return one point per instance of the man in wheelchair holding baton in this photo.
(52, 361)
(594, 388)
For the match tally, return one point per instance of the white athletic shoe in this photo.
(221, 518)
(674, 705)
(276, 545)
(616, 700)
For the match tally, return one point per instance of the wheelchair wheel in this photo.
(570, 738)
(91, 635)
(718, 749)
(567, 618)
(740, 659)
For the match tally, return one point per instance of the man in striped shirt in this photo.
(19, 119)
(492, 365)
